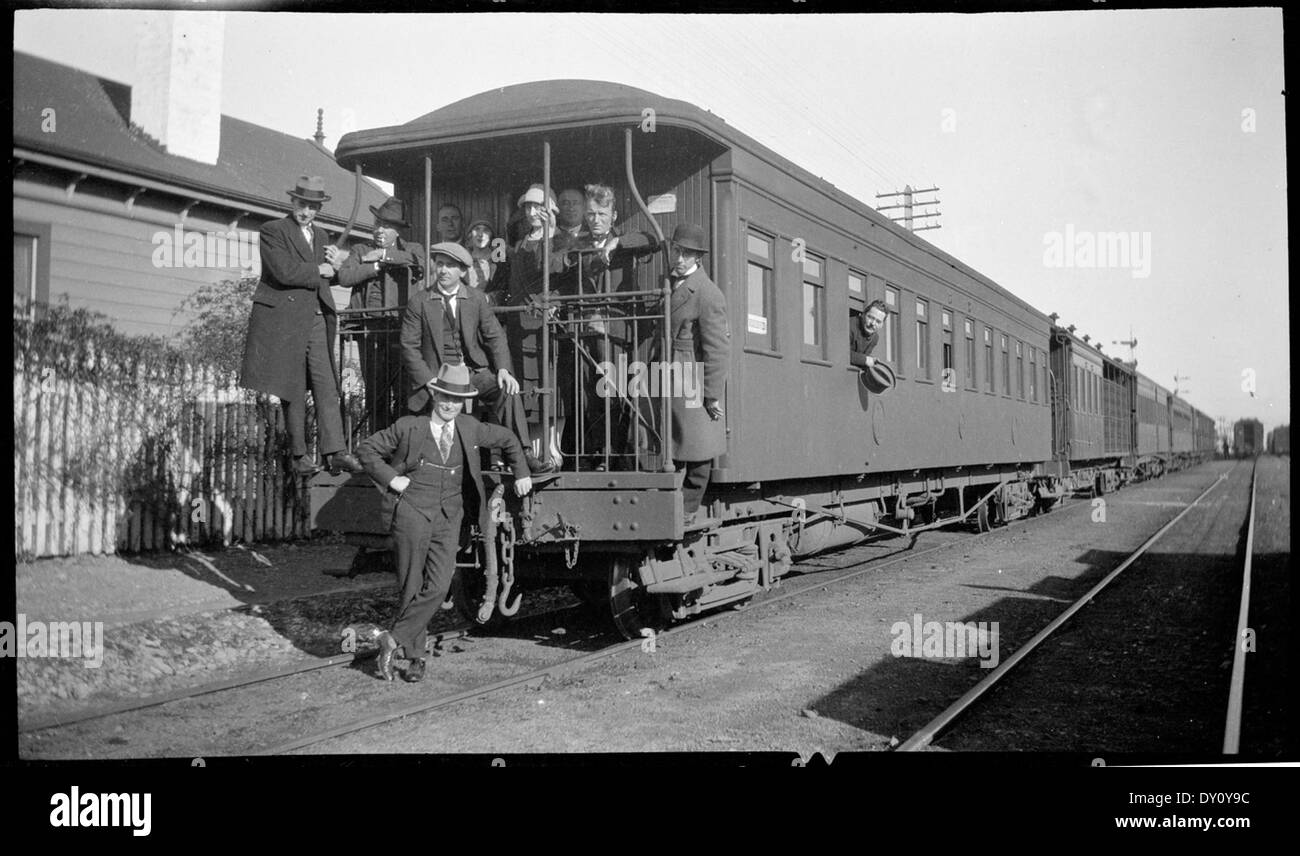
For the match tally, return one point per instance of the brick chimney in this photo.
(176, 96)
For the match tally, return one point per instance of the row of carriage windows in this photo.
(760, 328)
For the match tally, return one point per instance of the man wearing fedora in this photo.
(701, 345)
(427, 464)
(292, 326)
(452, 323)
(382, 272)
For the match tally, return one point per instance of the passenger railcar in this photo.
(1279, 440)
(813, 460)
(1247, 438)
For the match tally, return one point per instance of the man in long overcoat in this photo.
(292, 326)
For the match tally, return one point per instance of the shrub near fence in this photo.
(122, 444)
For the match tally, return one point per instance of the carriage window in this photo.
(1020, 370)
(1033, 373)
(891, 329)
(760, 325)
(814, 310)
(970, 354)
(1006, 368)
(949, 375)
(856, 284)
(922, 339)
(988, 359)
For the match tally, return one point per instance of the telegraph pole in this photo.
(907, 205)
(1132, 343)
(1177, 379)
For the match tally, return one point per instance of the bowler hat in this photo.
(688, 236)
(454, 251)
(311, 188)
(534, 194)
(453, 379)
(392, 212)
(877, 377)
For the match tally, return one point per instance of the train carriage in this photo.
(814, 460)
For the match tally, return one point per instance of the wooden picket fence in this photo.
(112, 457)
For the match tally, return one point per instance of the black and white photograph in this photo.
(514, 386)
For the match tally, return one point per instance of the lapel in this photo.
(433, 319)
(684, 292)
(462, 315)
(298, 241)
(468, 448)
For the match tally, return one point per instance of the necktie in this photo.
(306, 234)
(444, 442)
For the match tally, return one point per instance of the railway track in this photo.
(792, 588)
(927, 734)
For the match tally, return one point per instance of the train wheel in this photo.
(982, 518)
(629, 607)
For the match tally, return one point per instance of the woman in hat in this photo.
(484, 273)
(426, 464)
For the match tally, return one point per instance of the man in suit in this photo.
(701, 349)
(428, 464)
(452, 323)
(864, 334)
(600, 259)
(292, 326)
(382, 273)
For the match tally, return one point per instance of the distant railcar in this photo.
(1247, 438)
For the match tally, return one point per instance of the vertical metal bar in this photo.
(428, 215)
(547, 404)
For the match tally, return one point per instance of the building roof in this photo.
(92, 123)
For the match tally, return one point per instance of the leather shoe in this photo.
(414, 671)
(341, 461)
(304, 466)
(537, 466)
(387, 648)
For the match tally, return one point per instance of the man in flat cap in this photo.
(292, 327)
(451, 324)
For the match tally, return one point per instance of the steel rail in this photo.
(926, 735)
(851, 570)
(1237, 686)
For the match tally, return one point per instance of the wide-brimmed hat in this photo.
(534, 194)
(311, 188)
(688, 236)
(877, 377)
(453, 379)
(392, 213)
(452, 250)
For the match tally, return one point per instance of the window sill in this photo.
(763, 352)
(816, 361)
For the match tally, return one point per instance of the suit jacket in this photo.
(700, 335)
(392, 284)
(284, 309)
(631, 247)
(394, 452)
(483, 341)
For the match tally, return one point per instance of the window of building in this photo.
(760, 321)
(31, 265)
(1020, 370)
(922, 338)
(891, 329)
(988, 359)
(814, 309)
(970, 354)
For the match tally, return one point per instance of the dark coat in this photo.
(631, 247)
(284, 309)
(392, 285)
(395, 451)
(483, 340)
(700, 336)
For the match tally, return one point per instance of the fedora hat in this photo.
(392, 212)
(311, 188)
(453, 379)
(688, 236)
(877, 377)
(454, 251)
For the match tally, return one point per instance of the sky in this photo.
(1046, 133)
